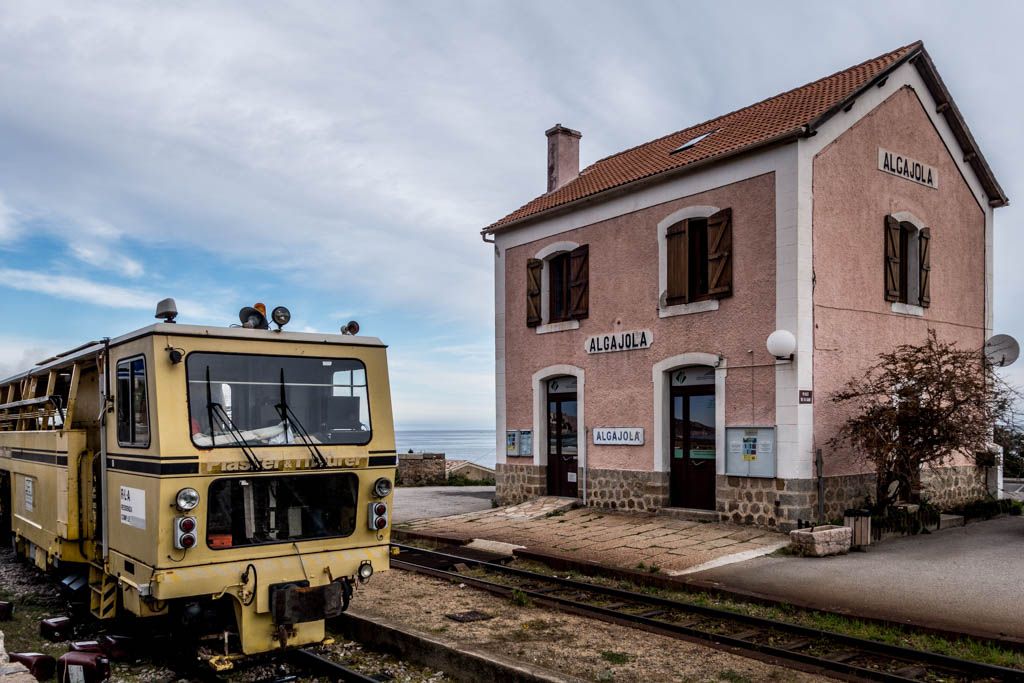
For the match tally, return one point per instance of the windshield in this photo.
(249, 400)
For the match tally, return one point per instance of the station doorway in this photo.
(692, 438)
(562, 436)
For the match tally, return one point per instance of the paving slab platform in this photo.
(967, 579)
(667, 546)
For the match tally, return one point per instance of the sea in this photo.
(476, 445)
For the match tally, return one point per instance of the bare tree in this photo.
(920, 405)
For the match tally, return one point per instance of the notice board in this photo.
(750, 451)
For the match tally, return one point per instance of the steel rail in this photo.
(333, 670)
(860, 646)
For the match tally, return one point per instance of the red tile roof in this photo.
(768, 121)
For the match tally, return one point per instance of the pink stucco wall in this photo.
(852, 320)
(624, 296)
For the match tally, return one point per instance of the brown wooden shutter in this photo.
(925, 267)
(892, 259)
(677, 261)
(534, 271)
(720, 254)
(579, 282)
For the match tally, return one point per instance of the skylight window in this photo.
(693, 141)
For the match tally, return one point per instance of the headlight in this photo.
(365, 570)
(187, 499)
(382, 487)
(281, 316)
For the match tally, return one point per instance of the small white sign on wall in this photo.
(133, 507)
(30, 494)
(618, 436)
(619, 341)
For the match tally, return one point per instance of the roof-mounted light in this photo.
(254, 317)
(167, 309)
(281, 316)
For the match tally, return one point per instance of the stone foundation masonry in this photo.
(626, 489)
(772, 503)
(516, 483)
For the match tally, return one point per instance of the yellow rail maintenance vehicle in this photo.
(230, 479)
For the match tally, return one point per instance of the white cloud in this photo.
(18, 354)
(7, 224)
(95, 254)
(432, 389)
(87, 291)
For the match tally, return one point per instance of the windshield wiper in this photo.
(222, 414)
(290, 418)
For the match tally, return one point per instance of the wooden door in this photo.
(692, 473)
(563, 444)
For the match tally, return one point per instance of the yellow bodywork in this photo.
(52, 469)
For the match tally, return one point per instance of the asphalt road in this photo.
(961, 579)
(420, 502)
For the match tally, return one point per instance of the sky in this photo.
(341, 158)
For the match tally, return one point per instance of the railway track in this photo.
(318, 664)
(798, 646)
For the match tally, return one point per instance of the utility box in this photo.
(860, 522)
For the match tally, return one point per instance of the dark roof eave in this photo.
(664, 176)
(926, 67)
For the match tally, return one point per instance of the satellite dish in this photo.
(1002, 350)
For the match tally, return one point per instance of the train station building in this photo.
(634, 298)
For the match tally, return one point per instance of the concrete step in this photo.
(690, 514)
(948, 521)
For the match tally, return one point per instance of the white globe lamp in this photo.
(781, 344)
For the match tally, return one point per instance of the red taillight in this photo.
(377, 516)
(184, 536)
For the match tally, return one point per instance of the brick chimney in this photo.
(563, 155)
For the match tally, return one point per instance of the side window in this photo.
(132, 404)
(699, 259)
(907, 263)
(567, 278)
(558, 287)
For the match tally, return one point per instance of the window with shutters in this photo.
(907, 263)
(698, 260)
(558, 287)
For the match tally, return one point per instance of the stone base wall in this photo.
(626, 489)
(782, 503)
(773, 503)
(518, 483)
(843, 493)
(947, 487)
(420, 469)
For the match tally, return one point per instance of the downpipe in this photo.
(104, 411)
